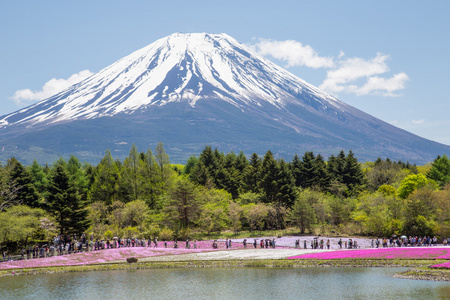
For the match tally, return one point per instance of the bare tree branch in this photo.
(8, 195)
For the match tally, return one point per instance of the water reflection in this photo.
(221, 283)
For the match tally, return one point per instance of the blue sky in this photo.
(390, 59)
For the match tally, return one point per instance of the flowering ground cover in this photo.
(116, 254)
(382, 253)
(442, 266)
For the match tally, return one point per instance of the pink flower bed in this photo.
(442, 266)
(383, 253)
(116, 254)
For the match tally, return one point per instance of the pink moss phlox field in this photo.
(116, 254)
(383, 253)
(442, 266)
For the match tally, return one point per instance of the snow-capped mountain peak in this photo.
(181, 67)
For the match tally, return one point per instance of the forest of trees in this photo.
(147, 196)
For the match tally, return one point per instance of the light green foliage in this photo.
(255, 215)
(135, 213)
(235, 213)
(182, 204)
(410, 184)
(387, 190)
(162, 159)
(213, 216)
(303, 214)
(106, 181)
(249, 197)
(378, 214)
(108, 234)
(20, 223)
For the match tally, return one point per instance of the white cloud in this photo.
(342, 78)
(293, 52)
(418, 121)
(50, 88)
(355, 75)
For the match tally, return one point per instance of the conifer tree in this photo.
(26, 193)
(152, 185)
(106, 181)
(269, 180)
(353, 175)
(251, 175)
(65, 203)
(440, 170)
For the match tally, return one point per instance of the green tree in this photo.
(269, 180)
(151, 185)
(256, 215)
(135, 214)
(353, 176)
(39, 178)
(77, 176)
(162, 159)
(106, 181)
(310, 171)
(410, 184)
(182, 204)
(251, 175)
(303, 214)
(213, 216)
(19, 223)
(26, 192)
(65, 203)
(129, 176)
(440, 170)
(383, 172)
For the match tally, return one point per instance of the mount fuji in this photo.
(192, 90)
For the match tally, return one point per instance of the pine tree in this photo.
(65, 203)
(106, 179)
(353, 175)
(269, 180)
(440, 170)
(251, 175)
(27, 193)
(39, 178)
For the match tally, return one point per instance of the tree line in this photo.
(146, 196)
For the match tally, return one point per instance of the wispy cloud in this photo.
(418, 121)
(50, 88)
(354, 75)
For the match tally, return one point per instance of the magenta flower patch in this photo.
(117, 254)
(442, 266)
(383, 253)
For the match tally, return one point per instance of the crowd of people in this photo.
(62, 245)
(315, 244)
(411, 241)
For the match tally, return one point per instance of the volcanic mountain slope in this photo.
(189, 90)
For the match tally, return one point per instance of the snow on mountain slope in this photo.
(190, 90)
(178, 68)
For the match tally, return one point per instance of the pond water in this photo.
(224, 283)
